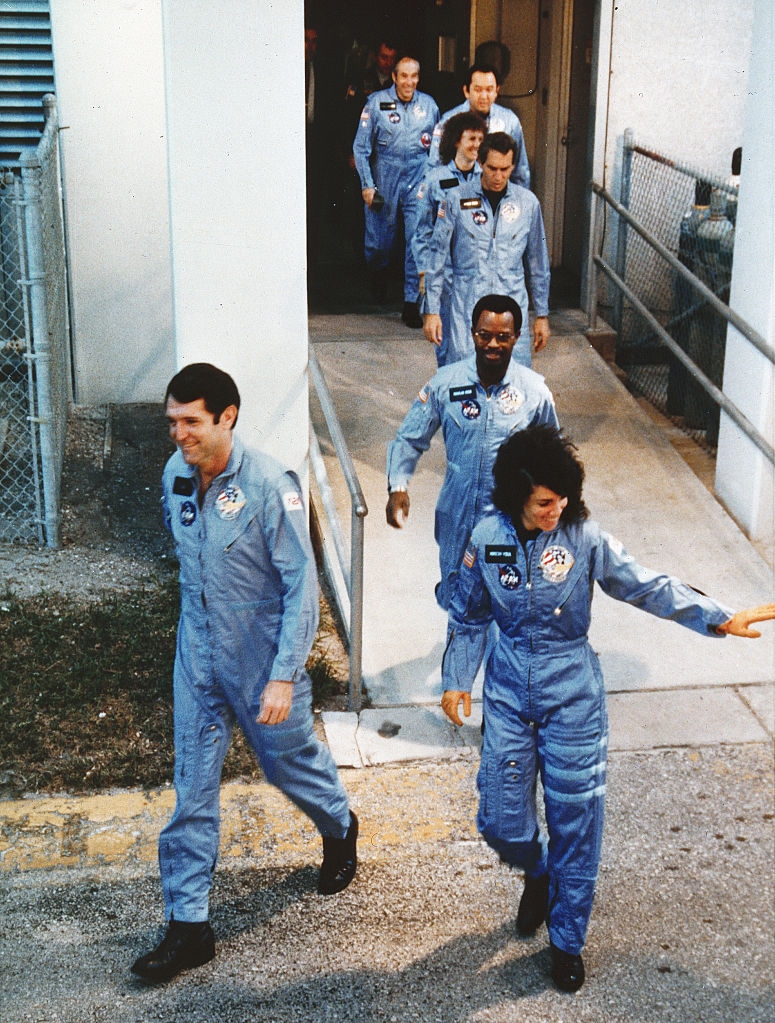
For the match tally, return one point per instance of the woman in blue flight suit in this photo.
(531, 567)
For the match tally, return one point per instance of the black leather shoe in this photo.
(567, 970)
(411, 315)
(340, 860)
(183, 947)
(533, 905)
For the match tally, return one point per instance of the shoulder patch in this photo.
(424, 394)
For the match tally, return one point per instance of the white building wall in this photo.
(235, 114)
(745, 479)
(678, 74)
(110, 92)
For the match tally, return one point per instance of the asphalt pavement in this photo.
(684, 919)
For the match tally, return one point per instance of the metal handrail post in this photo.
(621, 239)
(718, 396)
(591, 265)
(356, 610)
(359, 511)
(748, 332)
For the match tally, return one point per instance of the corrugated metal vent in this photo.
(26, 74)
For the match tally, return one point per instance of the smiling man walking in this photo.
(249, 612)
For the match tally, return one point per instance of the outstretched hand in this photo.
(740, 624)
(450, 702)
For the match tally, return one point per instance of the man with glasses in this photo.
(478, 402)
(489, 236)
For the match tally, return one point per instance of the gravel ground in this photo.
(682, 929)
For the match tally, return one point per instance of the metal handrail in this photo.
(351, 616)
(741, 325)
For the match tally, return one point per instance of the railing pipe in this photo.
(359, 511)
(713, 300)
(718, 396)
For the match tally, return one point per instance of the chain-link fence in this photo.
(691, 214)
(34, 343)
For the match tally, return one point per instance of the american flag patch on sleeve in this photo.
(469, 557)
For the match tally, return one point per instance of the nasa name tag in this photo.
(387, 106)
(183, 486)
(500, 555)
(462, 393)
(470, 204)
(449, 183)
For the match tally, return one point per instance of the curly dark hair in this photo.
(539, 456)
(452, 133)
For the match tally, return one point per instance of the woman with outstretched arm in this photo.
(531, 567)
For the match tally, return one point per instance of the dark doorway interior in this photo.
(348, 33)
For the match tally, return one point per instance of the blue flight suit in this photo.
(391, 154)
(249, 612)
(499, 119)
(434, 189)
(474, 421)
(544, 698)
(489, 254)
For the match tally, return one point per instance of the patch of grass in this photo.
(86, 693)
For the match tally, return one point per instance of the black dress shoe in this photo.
(340, 860)
(411, 315)
(533, 905)
(183, 947)
(567, 970)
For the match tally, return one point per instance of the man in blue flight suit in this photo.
(249, 612)
(462, 136)
(478, 402)
(391, 154)
(530, 567)
(481, 91)
(491, 235)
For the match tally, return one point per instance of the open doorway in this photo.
(549, 43)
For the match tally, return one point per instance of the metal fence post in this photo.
(591, 265)
(621, 239)
(41, 341)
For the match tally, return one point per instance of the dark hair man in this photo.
(480, 91)
(487, 238)
(248, 616)
(477, 402)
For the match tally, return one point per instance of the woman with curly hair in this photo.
(531, 567)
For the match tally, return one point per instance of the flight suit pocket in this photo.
(507, 803)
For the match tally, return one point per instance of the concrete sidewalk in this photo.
(684, 917)
(668, 686)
